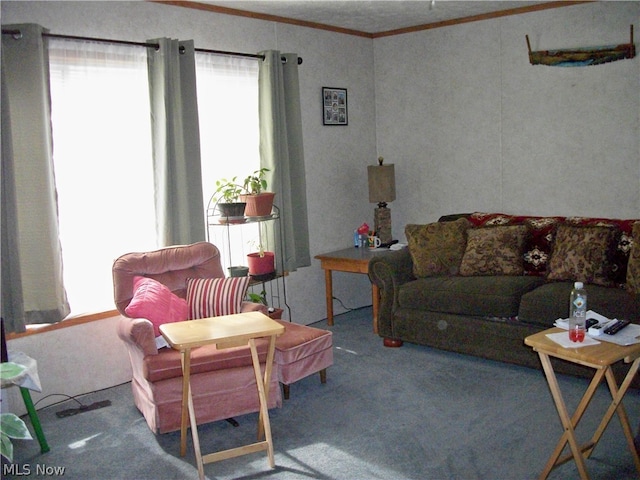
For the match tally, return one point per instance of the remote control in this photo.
(616, 327)
(595, 330)
(590, 323)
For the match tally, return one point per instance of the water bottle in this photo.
(577, 312)
(356, 239)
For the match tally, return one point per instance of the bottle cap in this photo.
(578, 285)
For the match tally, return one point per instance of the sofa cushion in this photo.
(620, 253)
(582, 253)
(494, 251)
(485, 296)
(212, 297)
(633, 267)
(547, 303)
(155, 302)
(537, 244)
(437, 248)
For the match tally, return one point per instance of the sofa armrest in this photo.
(388, 271)
(138, 333)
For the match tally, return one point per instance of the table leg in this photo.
(328, 281)
(569, 432)
(267, 382)
(617, 394)
(263, 391)
(185, 358)
(575, 419)
(375, 298)
(187, 398)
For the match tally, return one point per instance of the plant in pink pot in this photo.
(261, 263)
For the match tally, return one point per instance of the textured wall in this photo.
(336, 157)
(471, 125)
(468, 122)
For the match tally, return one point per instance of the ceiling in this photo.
(377, 16)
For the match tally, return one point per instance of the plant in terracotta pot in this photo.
(228, 201)
(259, 202)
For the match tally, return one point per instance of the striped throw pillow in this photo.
(212, 297)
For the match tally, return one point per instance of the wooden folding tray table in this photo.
(599, 357)
(224, 331)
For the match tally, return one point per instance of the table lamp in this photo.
(382, 189)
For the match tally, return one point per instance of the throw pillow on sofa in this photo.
(155, 302)
(437, 248)
(212, 297)
(633, 267)
(494, 251)
(582, 254)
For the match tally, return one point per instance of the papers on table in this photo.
(562, 339)
(627, 336)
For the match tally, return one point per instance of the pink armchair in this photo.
(222, 381)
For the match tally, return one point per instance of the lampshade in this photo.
(382, 183)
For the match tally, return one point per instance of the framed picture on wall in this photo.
(334, 106)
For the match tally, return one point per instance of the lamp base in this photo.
(382, 223)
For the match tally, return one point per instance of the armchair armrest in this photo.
(388, 272)
(137, 333)
(254, 307)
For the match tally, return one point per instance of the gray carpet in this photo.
(407, 413)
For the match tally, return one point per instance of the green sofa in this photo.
(480, 283)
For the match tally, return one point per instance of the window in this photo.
(102, 154)
(229, 137)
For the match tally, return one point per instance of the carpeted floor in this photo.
(407, 413)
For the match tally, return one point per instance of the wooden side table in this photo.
(352, 260)
(224, 331)
(599, 357)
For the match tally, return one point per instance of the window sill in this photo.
(67, 322)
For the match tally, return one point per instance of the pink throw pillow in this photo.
(212, 297)
(155, 302)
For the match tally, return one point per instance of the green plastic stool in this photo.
(35, 420)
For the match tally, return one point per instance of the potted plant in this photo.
(261, 263)
(238, 271)
(259, 202)
(227, 196)
(11, 426)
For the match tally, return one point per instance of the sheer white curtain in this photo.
(103, 163)
(229, 137)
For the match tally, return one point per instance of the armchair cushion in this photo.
(212, 297)
(203, 359)
(155, 302)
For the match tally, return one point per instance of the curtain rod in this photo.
(18, 34)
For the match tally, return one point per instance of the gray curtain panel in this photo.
(176, 143)
(32, 282)
(281, 150)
